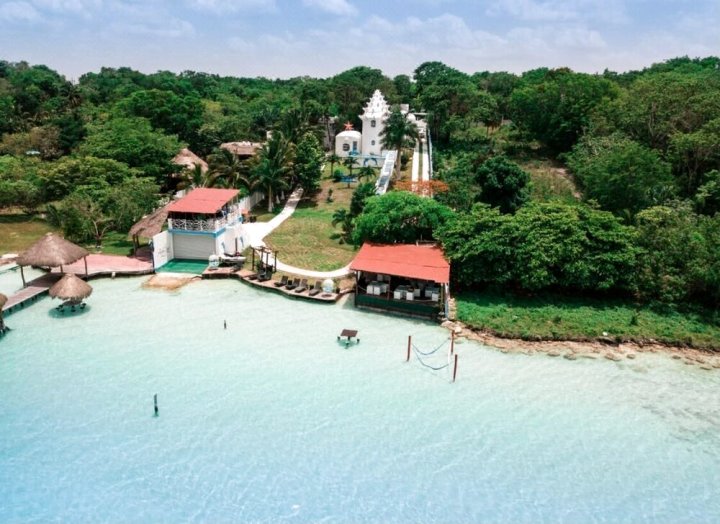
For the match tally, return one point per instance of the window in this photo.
(346, 147)
(354, 146)
(372, 142)
(372, 123)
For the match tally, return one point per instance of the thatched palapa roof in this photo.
(52, 251)
(70, 287)
(150, 225)
(189, 160)
(242, 148)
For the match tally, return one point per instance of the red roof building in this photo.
(405, 278)
(203, 201)
(403, 260)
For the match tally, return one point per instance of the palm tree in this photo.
(228, 170)
(366, 172)
(333, 159)
(274, 166)
(349, 162)
(195, 176)
(399, 132)
(343, 216)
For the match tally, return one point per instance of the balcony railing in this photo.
(424, 309)
(209, 225)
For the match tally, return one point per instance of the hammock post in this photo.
(407, 359)
(455, 369)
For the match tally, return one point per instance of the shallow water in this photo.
(271, 420)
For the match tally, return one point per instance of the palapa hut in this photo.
(243, 149)
(149, 225)
(188, 160)
(71, 288)
(51, 251)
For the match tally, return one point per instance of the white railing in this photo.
(210, 224)
(215, 224)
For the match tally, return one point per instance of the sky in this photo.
(320, 38)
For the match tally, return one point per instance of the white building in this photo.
(368, 144)
(373, 123)
(348, 142)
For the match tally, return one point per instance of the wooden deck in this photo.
(31, 292)
(244, 276)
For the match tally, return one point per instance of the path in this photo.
(420, 159)
(257, 231)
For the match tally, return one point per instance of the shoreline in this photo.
(590, 349)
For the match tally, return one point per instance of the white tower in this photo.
(373, 122)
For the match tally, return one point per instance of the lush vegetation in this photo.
(550, 181)
(562, 317)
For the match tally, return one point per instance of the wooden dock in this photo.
(30, 293)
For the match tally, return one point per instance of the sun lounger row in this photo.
(298, 285)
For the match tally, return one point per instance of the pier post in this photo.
(455, 369)
(408, 351)
(452, 342)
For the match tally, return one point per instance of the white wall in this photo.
(162, 249)
(371, 135)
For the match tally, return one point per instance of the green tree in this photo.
(503, 184)
(58, 179)
(359, 197)
(680, 260)
(558, 108)
(343, 217)
(133, 142)
(399, 216)
(166, 111)
(229, 170)
(707, 197)
(399, 132)
(274, 167)
(620, 174)
(308, 163)
(333, 159)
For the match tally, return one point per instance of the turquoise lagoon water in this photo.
(272, 421)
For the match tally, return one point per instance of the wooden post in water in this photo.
(408, 351)
(452, 342)
(455, 369)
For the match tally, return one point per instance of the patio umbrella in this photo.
(51, 251)
(70, 287)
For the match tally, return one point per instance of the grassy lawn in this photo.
(549, 181)
(564, 318)
(18, 232)
(308, 239)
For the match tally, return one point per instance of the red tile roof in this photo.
(203, 200)
(403, 260)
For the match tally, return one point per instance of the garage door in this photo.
(193, 247)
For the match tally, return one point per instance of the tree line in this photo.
(643, 148)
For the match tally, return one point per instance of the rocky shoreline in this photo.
(592, 349)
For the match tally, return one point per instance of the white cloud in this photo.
(167, 28)
(18, 12)
(232, 6)
(612, 11)
(336, 7)
(77, 6)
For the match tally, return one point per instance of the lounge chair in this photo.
(292, 285)
(282, 282)
(302, 287)
(317, 288)
(265, 275)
